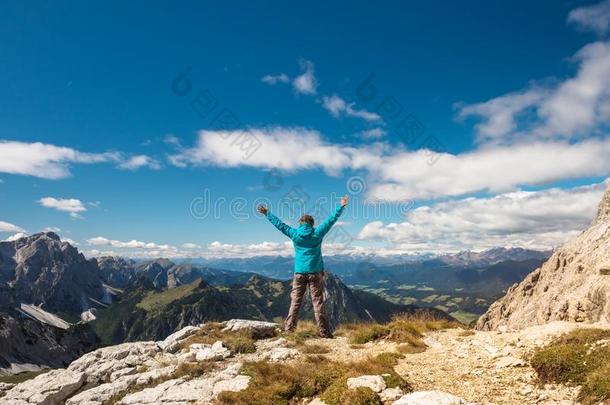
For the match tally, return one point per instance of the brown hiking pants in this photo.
(300, 282)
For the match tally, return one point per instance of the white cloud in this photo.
(500, 114)
(138, 161)
(98, 240)
(338, 107)
(218, 249)
(396, 174)
(8, 227)
(571, 109)
(132, 244)
(137, 249)
(172, 140)
(534, 219)
(373, 133)
(274, 79)
(531, 219)
(595, 18)
(306, 82)
(71, 205)
(16, 236)
(283, 148)
(52, 229)
(53, 162)
(409, 175)
(190, 245)
(70, 241)
(44, 160)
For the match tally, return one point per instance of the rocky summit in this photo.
(44, 270)
(572, 285)
(190, 367)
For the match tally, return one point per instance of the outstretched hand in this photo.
(262, 209)
(344, 200)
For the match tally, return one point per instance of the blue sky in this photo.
(508, 104)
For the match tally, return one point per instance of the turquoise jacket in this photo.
(307, 241)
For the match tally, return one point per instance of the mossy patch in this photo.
(360, 396)
(596, 387)
(580, 357)
(237, 342)
(283, 384)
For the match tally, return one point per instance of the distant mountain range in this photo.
(463, 284)
(49, 292)
(280, 267)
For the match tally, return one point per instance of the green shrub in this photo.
(575, 358)
(563, 363)
(360, 396)
(596, 388)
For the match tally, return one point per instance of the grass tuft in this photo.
(596, 387)
(408, 330)
(580, 357)
(305, 330)
(314, 349)
(284, 384)
(360, 396)
(237, 342)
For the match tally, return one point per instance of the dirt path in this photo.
(482, 367)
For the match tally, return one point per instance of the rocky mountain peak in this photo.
(572, 285)
(41, 237)
(603, 210)
(43, 270)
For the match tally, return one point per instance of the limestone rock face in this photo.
(603, 212)
(43, 269)
(101, 364)
(146, 373)
(572, 285)
(259, 329)
(46, 389)
(171, 343)
(374, 382)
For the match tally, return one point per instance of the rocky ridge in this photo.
(572, 285)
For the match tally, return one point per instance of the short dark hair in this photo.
(306, 219)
